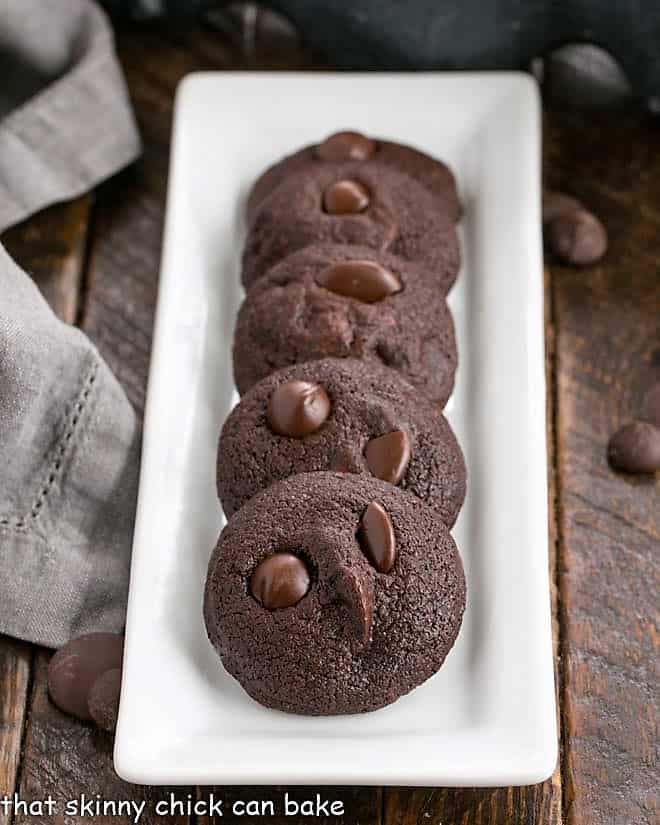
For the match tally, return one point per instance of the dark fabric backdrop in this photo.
(458, 34)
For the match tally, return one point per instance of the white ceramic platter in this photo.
(488, 717)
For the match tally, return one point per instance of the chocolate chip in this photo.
(388, 456)
(557, 204)
(363, 280)
(346, 146)
(577, 238)
(103, 700)
(281, 580)
(298, 408)
(651, 405)
(345, 197)
(76, 666)
(376, 537)
(355, 589)
(635, 448)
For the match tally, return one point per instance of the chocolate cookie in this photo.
(353, 147)
(347, 302)
(340, 414)
(333, 593)
(370, 205)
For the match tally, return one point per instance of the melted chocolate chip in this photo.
(346, 146)
(345, 197)
(103, 700)
(376, 537)
(388, 456)
(363, 280)
(281, 580)
(635, 448)
(76, 666)
(298, 408)
(355, 589)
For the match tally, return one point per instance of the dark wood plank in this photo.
(608, 355)
(485, 806)
(50, 247)
(15, 659)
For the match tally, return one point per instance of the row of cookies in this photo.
(336, 586)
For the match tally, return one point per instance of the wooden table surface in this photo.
(96, 259)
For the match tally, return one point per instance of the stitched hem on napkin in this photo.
(66, 557)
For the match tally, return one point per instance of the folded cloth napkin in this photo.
(65, 118)
(69, 440)
(69, 449)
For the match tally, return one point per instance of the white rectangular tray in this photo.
(488, 717)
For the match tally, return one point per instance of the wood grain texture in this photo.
(15, 659)
(608, 355)
(51, 248)
(531, 805)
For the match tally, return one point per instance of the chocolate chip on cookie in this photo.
(360, 152)
(377, 425)
(293, 314)
(375, 206)
(378, 615)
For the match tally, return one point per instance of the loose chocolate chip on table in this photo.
(388, 456)
(346, 146)
(281, 580)
(376, 537)
(345, 197)
(577, 238)
(298, 408)
(76, 666)
(635, 448)
(363, 280)
(103, 700)
(557, 204)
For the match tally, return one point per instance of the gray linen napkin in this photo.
(69, 440)
(65, 119)
(69, 452)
